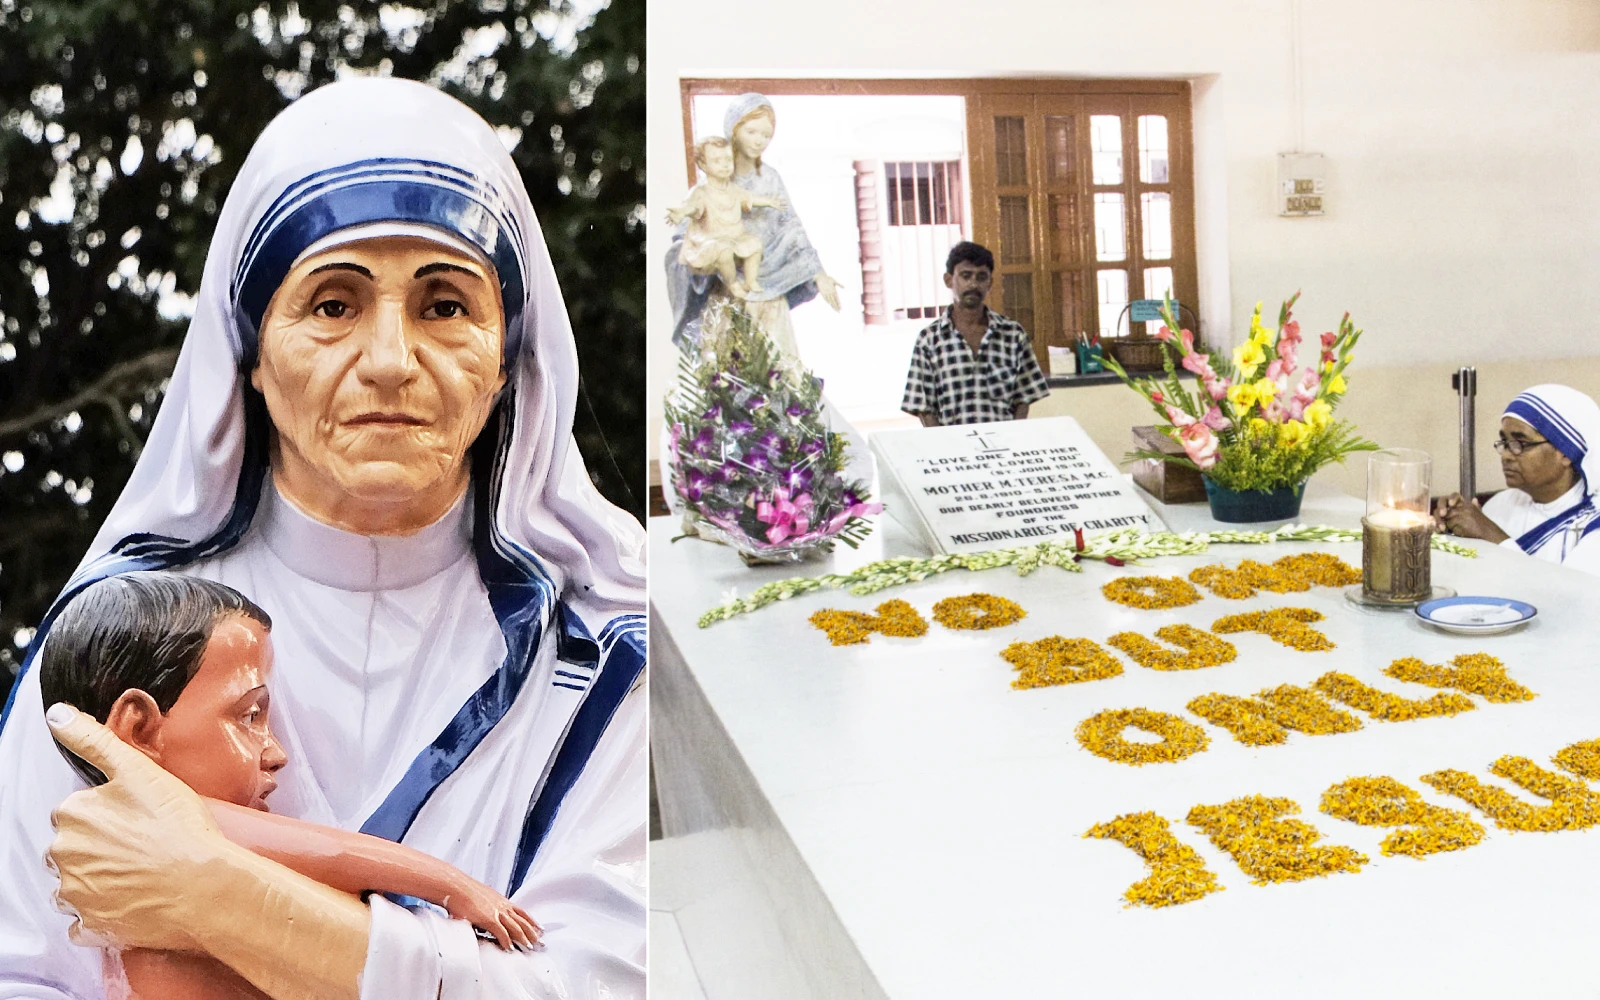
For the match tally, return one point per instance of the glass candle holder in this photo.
(1397, 531)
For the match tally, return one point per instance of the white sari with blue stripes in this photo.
(475, 689)
(1566, 530)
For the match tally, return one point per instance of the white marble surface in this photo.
(932, 818)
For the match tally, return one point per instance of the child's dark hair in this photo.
(139, 630)
(967, 252)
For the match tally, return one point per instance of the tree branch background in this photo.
(122, 125)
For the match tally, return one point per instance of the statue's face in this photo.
(718, 162)
(380, 361)
(215, 736)
(752, 136)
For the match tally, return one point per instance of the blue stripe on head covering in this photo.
(376, 191)
(1542, 417)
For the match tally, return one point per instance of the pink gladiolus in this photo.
(1217, 388)
(1328, 339)
(1199, 364)
(1275, 370)
(1178, 417)
(1163, 334)
(1286, 351)
(1215, 420)
(1274, 411)
(1199, 444)
(1291, 331)
(1327, 357)
(1188, 341)
(1156, 397)
(1294, 408)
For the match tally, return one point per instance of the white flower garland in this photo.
(1125, 545)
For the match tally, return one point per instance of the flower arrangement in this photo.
(1257, 420)
(750, 455)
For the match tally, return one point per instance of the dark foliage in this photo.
(122, 125)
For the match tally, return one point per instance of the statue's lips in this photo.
(385, 420)
(268, 786)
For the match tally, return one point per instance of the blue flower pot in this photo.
(1232, 507)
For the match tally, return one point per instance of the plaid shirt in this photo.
(947, 381)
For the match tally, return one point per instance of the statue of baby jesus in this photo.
(177, 668)
(715, 241)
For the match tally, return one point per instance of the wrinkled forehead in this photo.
(349, 158)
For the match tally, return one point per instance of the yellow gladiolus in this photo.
(1242, 396)
(1292, 432)
(1336, 385)
(1258, 425)
(1319, 414)
(1265, 390)
(1327, 366)
(1247, 357)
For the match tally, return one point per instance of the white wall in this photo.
(1463, 226)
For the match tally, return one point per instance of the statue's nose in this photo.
(389, 360)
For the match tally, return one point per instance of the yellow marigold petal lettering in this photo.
(1383, 801)
(1285, 626)
(1388, 707)
(1150, 592)
(1582, 759)
(1101, 735)
(1572, 805)
(1474, 673)
(1055, 660)
(1266, 718)
(977, 611)
(1177, 873)
(850, 628)
(1201, 648)
(1269, 847)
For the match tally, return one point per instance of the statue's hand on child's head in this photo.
(127, 850)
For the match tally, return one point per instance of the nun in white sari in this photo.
(1549, 448)
(473, 687)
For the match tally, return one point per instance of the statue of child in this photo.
(177, 667)
(716, 240)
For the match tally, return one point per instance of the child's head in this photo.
(715, 157)
(177, 667)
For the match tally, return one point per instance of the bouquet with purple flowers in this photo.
(751, 457)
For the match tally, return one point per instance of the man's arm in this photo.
(1032, 386)
(357, 863)
(921, 396)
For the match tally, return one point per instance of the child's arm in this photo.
(357, 863)
(762, 201)
(692, 208)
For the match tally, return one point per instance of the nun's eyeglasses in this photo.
(1515, 446)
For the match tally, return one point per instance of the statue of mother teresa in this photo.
(369, 434)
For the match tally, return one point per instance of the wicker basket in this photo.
(1135, 354)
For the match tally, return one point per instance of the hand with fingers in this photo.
(494, 914)
(129, 853)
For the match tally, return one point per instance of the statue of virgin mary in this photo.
(791, 271)
(389, 470)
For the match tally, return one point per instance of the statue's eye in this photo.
(445, 309)
(330, 309)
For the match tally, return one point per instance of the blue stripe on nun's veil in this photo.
(382, 191)
(622, 660)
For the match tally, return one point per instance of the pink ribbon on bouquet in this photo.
(787, 517)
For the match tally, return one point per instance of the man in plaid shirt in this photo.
(972, 365)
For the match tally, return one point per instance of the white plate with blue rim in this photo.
(1476, 615)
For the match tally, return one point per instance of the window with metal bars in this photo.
(902, 259)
